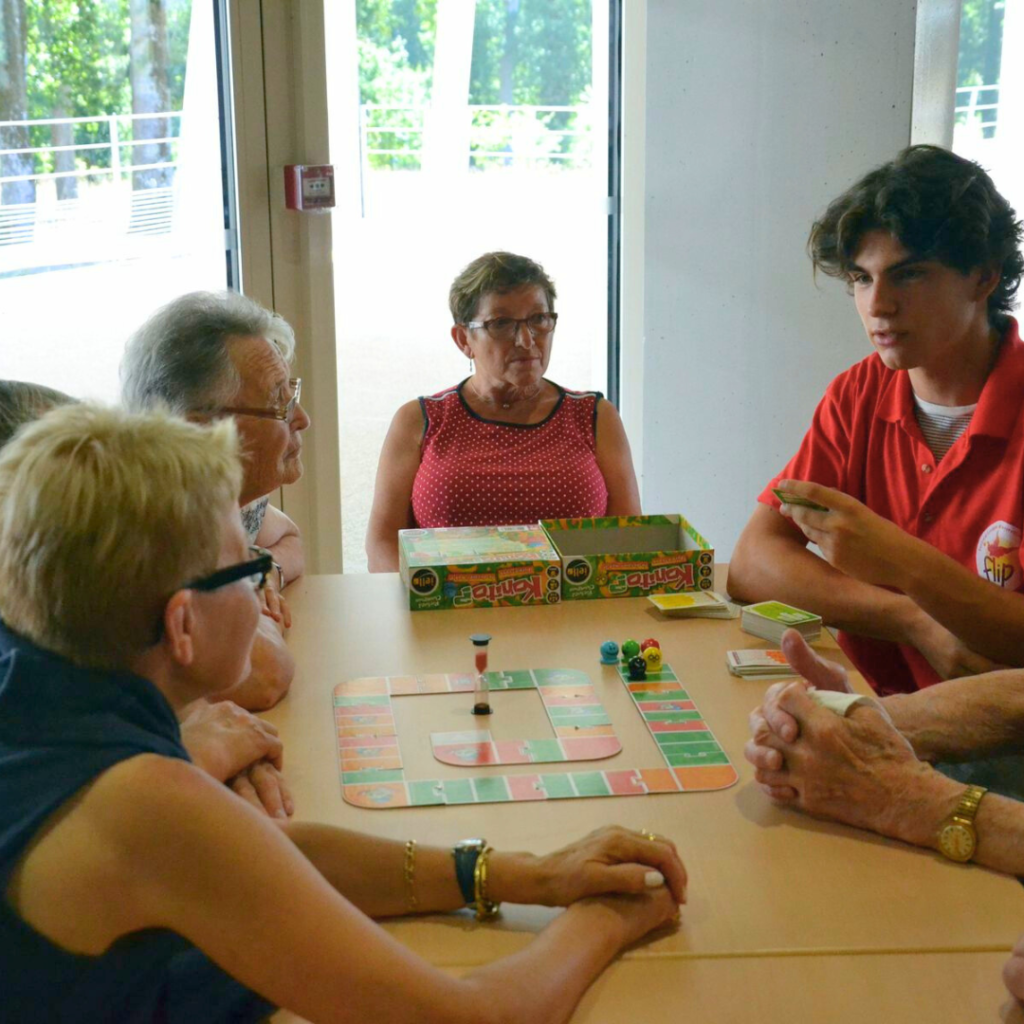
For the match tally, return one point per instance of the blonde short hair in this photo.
(104, 514)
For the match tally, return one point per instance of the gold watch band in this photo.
(968, 806)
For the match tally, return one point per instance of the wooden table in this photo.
(777, 901)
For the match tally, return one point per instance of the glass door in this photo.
(112, 179)
(457, 129)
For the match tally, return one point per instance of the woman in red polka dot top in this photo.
(506, 446)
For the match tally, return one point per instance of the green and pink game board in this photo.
(373, 776)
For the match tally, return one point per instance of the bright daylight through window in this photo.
(110, 179)
(475, 130)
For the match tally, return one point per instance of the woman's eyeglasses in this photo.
(505, 328)
(278, 412)
(256, 571)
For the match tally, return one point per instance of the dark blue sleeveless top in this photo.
(60, 727)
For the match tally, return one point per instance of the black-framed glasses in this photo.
(278, 412)
(505, 328)
(256, 570)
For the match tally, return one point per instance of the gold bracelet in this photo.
(485, 908)
(410, 875)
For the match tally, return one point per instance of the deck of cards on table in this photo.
(698, 604)
(770, 619)
(758, 664)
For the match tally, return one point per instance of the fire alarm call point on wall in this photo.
(309, 187)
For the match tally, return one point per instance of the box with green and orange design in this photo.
(478, 567)
(630, 556)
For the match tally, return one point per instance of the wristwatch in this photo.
(957, 837)
(470, 856)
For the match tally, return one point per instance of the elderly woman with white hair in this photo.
(210, 355)
(136, 888)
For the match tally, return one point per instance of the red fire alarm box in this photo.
(309, 186)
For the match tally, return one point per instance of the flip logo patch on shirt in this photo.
(998, 555)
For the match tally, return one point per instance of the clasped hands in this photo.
(638, 877)
(855, 769)
(240, 750)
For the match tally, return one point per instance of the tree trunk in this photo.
(148, 77)
(508, 54)
(14, 103)
(64, 135)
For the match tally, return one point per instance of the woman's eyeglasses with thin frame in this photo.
(280, 412)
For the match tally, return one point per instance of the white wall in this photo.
(758, 113)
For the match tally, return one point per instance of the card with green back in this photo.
(789, 498)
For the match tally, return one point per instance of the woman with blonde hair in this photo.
(136, 887)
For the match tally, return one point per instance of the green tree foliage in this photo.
(525, 53)
(981, 42)
(978, 63)
(77, 65)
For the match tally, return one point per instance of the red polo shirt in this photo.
(865, 440)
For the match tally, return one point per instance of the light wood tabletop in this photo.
(790, 897)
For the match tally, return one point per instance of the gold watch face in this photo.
(957, 841)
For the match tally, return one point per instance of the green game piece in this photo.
(557, 787)
(630, 649)
(590, 784)
(545, 750)
(459, 791)
(491, 789)
(371, 775)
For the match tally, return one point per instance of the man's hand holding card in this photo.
(851, 537)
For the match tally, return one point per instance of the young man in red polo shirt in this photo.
(917, 452)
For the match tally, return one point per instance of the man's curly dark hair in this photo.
(939, 206)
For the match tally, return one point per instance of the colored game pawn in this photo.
(652, 655)
(630, 649)
(609, 653)
(637, 668)
(649, 642)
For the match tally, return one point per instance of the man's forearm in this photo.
(780, 568)
(986, 617)
(963, 719)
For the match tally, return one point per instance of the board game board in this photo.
(372, 774)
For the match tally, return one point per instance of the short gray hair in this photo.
(179, 357)
(21, 402)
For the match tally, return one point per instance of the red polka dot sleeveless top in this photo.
(477, 472)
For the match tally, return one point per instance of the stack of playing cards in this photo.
(770, 619)
(697, 604)
(758, 664)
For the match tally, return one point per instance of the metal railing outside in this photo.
(977, 108)
(519, 137)
(116, 198)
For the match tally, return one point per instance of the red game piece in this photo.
(650, 642)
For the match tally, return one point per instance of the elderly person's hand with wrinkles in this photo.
(859, 769)
(851, 537)
(239, 749)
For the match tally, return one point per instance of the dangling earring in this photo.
(471, 369)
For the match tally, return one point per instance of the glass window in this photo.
(111, 188)
(989, 110)
(479, 127)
